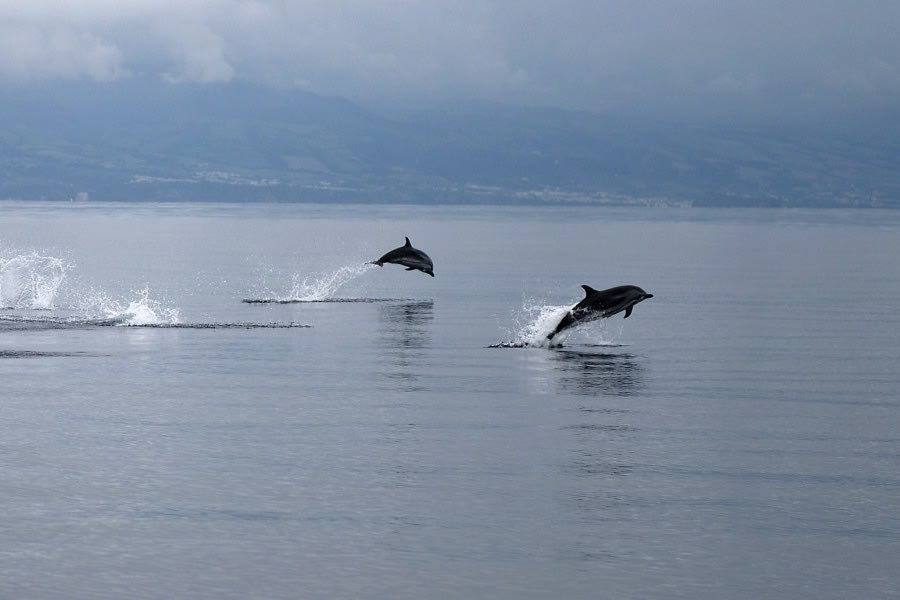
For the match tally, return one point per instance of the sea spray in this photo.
(147, 311)
(533, 324)
(143, 310)
(31, 281)
(536, 321)
(324, 286)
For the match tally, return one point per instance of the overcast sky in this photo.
(653, 56)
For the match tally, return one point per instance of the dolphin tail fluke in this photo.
(375, 262)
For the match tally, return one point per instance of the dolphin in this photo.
(602, 304)
(409, 257)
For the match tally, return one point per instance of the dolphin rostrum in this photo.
(409, 257)
(598, 305)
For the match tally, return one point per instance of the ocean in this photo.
(225, 401)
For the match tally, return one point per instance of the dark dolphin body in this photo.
(409, 257)
(598, 305)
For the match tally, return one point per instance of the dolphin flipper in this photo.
(628, 311)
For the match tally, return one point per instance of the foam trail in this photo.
(290, 325)
(18, 323)
(31, 281)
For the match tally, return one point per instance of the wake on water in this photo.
(17, 323)
(31, 282)
(94, 309)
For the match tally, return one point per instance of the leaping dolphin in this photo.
(409, 257)
(602, 304)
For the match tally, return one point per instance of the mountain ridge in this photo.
(151, 141)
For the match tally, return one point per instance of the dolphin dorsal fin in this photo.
(407, 242)
(588, 290)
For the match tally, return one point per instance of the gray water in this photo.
(737, 437)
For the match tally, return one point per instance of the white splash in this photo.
(323, 287)
(141, 311)
(540, 320)
(31, 281)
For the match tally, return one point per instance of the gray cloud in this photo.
(33, 53)
(652, 56)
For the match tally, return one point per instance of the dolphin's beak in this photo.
(647, 296)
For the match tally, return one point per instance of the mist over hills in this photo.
(144, 140)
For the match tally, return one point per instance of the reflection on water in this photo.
(601, 440)
(405, 332)
(405, 325)
(591, 374)
(599, 382)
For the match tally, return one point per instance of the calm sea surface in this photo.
(354, 432)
